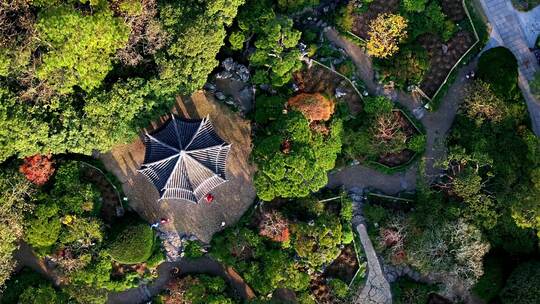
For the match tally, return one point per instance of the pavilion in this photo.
(185, 159)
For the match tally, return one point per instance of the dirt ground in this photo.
(231, 199)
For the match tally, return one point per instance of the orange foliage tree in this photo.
(315, 107)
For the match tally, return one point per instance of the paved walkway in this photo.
(508, 31)
(376, 290)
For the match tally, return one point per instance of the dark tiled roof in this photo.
(185, 159)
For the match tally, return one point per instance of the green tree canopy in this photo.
(300, 170)
(275, 40)
(522, 285)
(80, 47)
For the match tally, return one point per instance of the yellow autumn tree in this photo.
(385, 33)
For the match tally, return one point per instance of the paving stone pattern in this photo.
(376, 289)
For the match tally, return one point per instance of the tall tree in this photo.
(385, 33)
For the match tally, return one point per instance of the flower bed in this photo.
(382, 137)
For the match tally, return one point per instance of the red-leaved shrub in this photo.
(37, 168)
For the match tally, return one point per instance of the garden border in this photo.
(361, 43)
(357, 245)
(391, 170)
(458, 62)
(120, 202)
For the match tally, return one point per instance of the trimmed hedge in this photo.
(132, 244)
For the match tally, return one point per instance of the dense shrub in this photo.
(40, 294)
(482, 104)
(535, 85)
(522, 285)
(132, 243)
(14, 190)
(266, 265)
(275, 56)
(379, 131)
(405, 291)
(498, 67)
(80, 77)
(315, 107)
(20, 282)
(406, 68)
(199, 289)
(431, 20)
(292, 158)
(80, 47)
(455, 248)
(338, 288)
(490, 284)
(38, 168)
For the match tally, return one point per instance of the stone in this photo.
(419, 112)
(120, 211)
(224, 75)
(246, 95)
(340, 92)
(444, 48)
(210, 87)
(228, 64)
(337, 61)
(220, 96)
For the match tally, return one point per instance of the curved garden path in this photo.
(436, 124)
(166, 271)
(26, 257)
(357, 177)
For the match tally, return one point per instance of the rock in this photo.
(419, 112)
(224, 75)
(337, 61)
(444, 48)
(120, 211)
(246, 95)
(230, 101)
(340, 92)
(210, 87)
(220, 96)
(243, 73)
(228, 64)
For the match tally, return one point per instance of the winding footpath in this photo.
(437, 124)
(356, 178)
